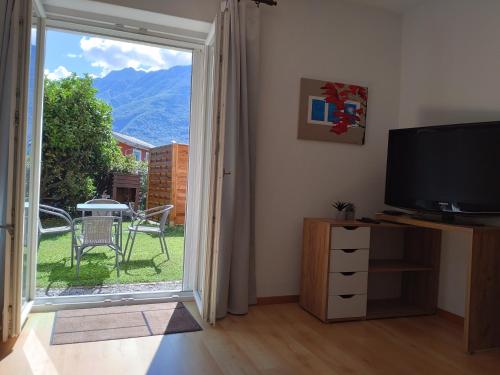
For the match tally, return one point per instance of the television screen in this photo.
(450, 168)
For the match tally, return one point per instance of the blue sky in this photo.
(68, 53)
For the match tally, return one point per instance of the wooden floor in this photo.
(271, 339)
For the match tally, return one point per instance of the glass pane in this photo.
(105, 97)
(28, 165)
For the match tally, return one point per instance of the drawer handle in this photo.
(350, 227)
(349, 251)
(348, 273)
(346, 296)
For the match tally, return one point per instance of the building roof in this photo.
(132, 141)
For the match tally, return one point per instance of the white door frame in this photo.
(123, 33)
(36, 154)
(202, 268)
(14, 248)
(197, 128)
(48, 304)
(195, 170)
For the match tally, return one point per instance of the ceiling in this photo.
(398, 6)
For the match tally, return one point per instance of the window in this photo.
(323, 113)
(137, 154)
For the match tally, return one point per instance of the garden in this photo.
(148, 267)
(79, 157)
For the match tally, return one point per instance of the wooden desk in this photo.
(482, 297)
(348, 266)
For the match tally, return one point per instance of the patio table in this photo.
(106, 207)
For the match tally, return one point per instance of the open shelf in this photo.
(395, 265)
(390, 308)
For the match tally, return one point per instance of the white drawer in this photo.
(348, 283)
(349, 260)
(355, 238)
(350, 306)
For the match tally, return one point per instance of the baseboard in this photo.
(277, 299)
(453, 318)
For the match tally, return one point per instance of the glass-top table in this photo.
(117, 207)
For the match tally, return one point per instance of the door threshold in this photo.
(49, 304)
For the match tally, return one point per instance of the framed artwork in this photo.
(332, 111)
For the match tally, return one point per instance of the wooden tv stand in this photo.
(353, 270)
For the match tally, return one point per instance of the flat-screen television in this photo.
(453, 169)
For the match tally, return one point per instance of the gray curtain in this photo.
(10, 13)
(236, 276)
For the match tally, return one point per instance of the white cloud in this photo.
(57, 73)
(109, 55)
(74, 55)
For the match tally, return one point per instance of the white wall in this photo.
(450, 63)
(327, 40)
(450, 73)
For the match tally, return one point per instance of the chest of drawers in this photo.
(341, 261)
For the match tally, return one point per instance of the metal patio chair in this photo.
(139, 226)
(102, 201)
(133, 213)
(92, 231)
(61, 214)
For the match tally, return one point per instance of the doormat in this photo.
(121, 322)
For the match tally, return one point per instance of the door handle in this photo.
(225, 173)
(8, 227)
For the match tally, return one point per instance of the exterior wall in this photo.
(128, 150)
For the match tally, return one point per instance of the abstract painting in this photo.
(332, 111)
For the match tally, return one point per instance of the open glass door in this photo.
(205, 162)
(217, 47)
(20, 106)
(31, 165)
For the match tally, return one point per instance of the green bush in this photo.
(79, 151)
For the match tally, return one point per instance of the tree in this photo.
(79, 150)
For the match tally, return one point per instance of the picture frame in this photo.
(332, 111)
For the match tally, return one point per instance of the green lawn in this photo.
(147, 263)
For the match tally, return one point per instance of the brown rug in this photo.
(120, 322)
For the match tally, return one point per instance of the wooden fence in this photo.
(167, 179)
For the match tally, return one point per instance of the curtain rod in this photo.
(267, 2)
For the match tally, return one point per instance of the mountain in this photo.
(152, 106)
